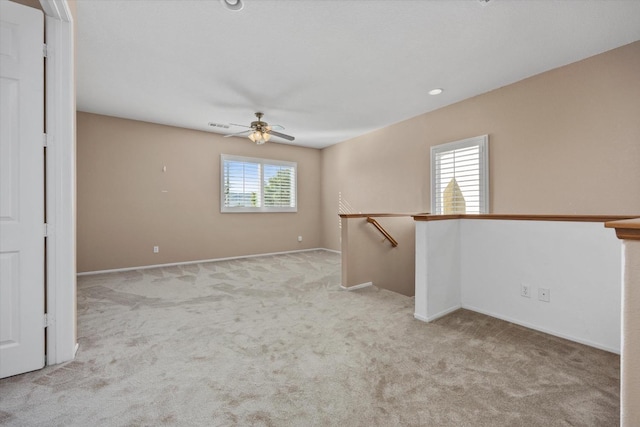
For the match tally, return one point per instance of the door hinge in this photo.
(45, 50)
(46, 230)
(46, 139)
(48, 320)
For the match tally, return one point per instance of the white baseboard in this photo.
(437, 315)
(420, 317)
(173, 264)
(331, 250)
(546, 331)
(354, 287)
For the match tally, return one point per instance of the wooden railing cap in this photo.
(376, 215)
(527, 217)
(627, 229)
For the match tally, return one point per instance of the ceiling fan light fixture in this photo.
(436, 91)
(234, 5)
(259, 137)
(259, 131)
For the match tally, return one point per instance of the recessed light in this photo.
(233, 4)
(437, 91)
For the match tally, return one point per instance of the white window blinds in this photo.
(460, 177)
(279, 188)
(257, 185)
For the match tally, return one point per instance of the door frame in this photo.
(60, 126)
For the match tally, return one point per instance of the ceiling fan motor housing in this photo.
(259, 126)
(261, 132)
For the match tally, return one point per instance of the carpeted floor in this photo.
(273, 341)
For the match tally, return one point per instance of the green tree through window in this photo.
(277, 191)
(250, 184)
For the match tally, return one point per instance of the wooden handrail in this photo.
(384, 232)
(626, 229)
(377, 215)
(520, 217)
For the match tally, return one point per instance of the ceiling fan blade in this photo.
(281, 135)
(279, 127)
(238, 133)
(242, 126)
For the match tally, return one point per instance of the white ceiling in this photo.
(327, 70)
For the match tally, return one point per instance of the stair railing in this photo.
(384, 232)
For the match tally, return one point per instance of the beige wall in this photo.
(367, 256)
(563, 142)
(123, 213)
(31, 3)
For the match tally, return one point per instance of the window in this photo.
(460, 177)
(257, 185)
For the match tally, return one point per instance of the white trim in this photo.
(438, 315)
(57, 9)
(173, 264)
(546, 331)
(332, 250)
(262, 163)
(482, 142)
(60, 177)
(420, 317)
(516, 322)
(355, 287)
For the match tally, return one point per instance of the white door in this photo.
(21, 189)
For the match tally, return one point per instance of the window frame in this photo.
(262, 162)
(482, 142)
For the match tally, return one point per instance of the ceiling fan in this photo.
(260, 132)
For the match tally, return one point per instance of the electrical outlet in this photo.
(156, 249)
(544, 295)
(299, 238)
(525, 291)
